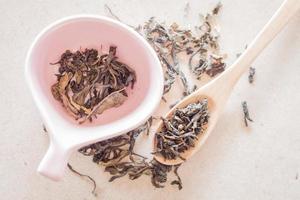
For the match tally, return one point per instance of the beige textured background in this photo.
(259, 162)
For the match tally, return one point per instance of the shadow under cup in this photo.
(77, 33)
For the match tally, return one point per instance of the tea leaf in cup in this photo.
(89, 83)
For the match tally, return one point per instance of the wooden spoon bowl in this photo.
(200, 137)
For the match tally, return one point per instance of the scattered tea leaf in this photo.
(84, 176)
(246, 113)
(111, 13)
(178, 181)
(216, 10)
(251, 74)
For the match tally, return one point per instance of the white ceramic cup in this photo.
(89, 31)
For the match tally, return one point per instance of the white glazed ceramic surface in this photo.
(89, 31)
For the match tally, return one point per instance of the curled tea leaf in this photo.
(84, 176)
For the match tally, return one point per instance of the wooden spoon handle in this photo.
(264, 37)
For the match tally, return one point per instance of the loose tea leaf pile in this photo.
(180, 132)
(88, 83)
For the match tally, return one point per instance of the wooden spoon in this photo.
(219, 89)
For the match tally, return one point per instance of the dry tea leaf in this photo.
(78, 76)
(81, 96)
(62, 89)
(55, 91)
(84, 176)
(115, 99)
(251, 74)
(63, 82)
(217, 8)
(246, 113)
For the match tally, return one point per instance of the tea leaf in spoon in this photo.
(180, 131)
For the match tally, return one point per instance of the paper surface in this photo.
(258, 162)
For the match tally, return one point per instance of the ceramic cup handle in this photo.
(54, 163)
